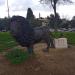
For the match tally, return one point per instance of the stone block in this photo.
(60, 43)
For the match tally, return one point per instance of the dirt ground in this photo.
(56, 62)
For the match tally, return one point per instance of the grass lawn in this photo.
(69, 35)
(6, 41)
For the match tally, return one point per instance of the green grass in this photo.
(17, 56)
(6, 41)
(69, 35)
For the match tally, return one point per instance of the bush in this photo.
(17, 56)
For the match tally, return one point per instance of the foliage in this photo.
(17, 56)
(6, 41)
(4, 24)
(31, 18)
(36, 23)
(69, 35)
(73, 22)
(53, 4)
(65, 23)
(30, 14)
(52, 21)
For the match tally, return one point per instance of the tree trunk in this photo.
(55, 10)
(55, 24)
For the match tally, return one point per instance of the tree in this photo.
(53, 4)
(7, 23)
(52, 20)
(65, 23)
(30, 14)
(4, 25)
(73, 22)
(36, 23)
(30, 17)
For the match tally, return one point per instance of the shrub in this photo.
(17, 56)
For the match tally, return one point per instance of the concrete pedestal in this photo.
(60, 43)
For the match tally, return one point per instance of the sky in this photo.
(19, 7)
